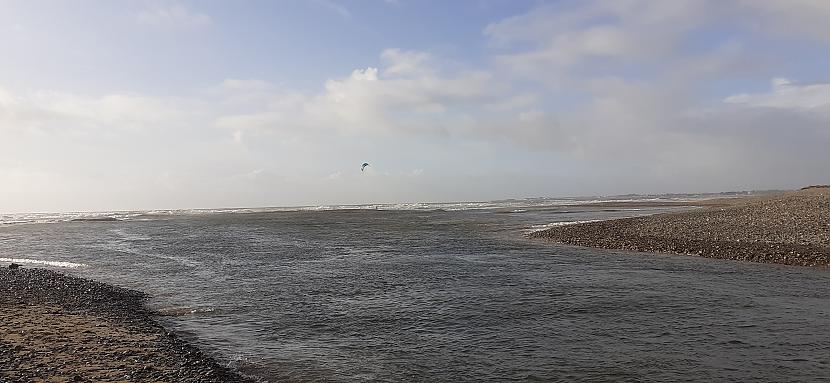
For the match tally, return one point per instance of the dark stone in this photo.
(14, 266)
(182, 362)
(789, 229)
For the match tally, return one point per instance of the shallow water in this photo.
(364, 295)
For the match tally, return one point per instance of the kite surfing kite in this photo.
(362, 167)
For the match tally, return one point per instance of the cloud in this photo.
(569, 34)
(653, 131)
(404, 96)
(807, 18)
(173, 16)
(576, 97)
(785, 94)
(68, 112)
(606, 36)
(403, 63)
(637, 78)
(671, 140)
(333, 6)
(408, 114)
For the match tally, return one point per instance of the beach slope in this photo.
(57, 328)
(790, 228)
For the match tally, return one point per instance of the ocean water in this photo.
(441, 293)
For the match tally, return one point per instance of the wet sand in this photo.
(790, 228)
(57, 328)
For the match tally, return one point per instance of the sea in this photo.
(446, 292)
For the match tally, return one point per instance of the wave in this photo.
(543, 227)
(513, 205)
(131, 237)
(28, 261)
(184, 311)
(125, 246)
(36, 218)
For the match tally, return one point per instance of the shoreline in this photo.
(791, 228)
(60, 328)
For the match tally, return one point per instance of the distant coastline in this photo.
(790, 228)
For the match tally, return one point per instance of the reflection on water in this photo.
(362, 295)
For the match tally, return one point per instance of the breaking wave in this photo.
(26, 261)
(546, 226)
(519, 205)
(184, 311)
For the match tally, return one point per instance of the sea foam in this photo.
(546, 226)
(70, 265)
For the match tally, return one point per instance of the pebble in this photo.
(790, 229)
(167, 359)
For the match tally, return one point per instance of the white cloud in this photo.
(650, 132)
(785, 94)
(125, 144)
(403, 63)
(666, 139)
(335, 7)
(60, 111)
(636, 77)
(557, 40)
(173, 16)
(608, 91)
(405, 96)
(567, 35)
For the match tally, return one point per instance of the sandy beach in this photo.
(57, 328)
(791, 228)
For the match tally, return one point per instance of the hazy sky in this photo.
(156, 104)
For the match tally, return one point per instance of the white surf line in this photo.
(70, 265)
(543, 227)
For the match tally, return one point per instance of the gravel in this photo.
(791, 229)
(54, 327)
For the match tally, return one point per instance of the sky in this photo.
(121, 105)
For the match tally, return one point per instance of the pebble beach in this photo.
(791, 228)
(57, 328)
